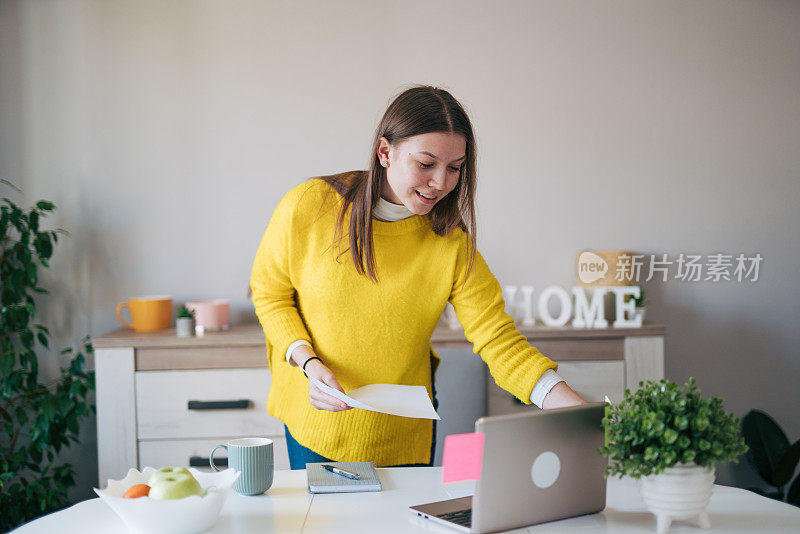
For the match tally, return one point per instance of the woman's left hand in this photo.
(561, 395)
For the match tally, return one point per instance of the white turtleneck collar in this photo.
(386, 211)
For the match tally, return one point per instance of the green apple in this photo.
(165, 472)
(173, 485)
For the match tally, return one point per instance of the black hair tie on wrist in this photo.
(312, 358)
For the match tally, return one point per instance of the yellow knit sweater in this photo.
(369, 333)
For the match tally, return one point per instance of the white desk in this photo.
(288, 507)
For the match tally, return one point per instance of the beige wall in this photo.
(166, 132)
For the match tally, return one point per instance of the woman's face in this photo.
(429, 164)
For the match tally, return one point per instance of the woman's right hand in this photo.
(319, 399)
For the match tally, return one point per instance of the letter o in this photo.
(566, 306)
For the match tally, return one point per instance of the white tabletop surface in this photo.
(288, 507)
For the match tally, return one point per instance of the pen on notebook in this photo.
(343, 472)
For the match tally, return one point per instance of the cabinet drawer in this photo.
(562, 350)
(594, 380)
(163, 453)
(212, 403)
(591, 380)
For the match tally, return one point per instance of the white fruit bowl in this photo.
(175, 516)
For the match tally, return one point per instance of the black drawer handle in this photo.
(218, 405)
(199, 461)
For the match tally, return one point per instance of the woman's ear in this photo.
(384, 150)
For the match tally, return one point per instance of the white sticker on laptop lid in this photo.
(545, 469)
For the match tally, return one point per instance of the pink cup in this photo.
(211, 314)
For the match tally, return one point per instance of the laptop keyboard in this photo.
(460, 517)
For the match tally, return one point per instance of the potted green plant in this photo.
(669, 438)
(184, 322)
(640, 304)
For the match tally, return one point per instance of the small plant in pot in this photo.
(184, 322)
(640, 304)
(669, 438)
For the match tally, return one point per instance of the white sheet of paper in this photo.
(406, 401)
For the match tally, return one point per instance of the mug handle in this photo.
(211, 456)
(119, 314)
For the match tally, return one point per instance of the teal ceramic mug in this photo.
(254, 458)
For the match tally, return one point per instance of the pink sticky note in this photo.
(462, 458)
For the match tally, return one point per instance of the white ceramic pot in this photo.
(640, 311)
(184, 326)
(680, 492)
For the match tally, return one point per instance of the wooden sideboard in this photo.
(164, 400)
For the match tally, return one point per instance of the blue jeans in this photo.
(300, 455)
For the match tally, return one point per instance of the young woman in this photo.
(367, 317)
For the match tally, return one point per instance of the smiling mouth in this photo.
(426, 197)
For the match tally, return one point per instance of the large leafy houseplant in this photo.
(773, 457)
(37, 419)
(663, 424)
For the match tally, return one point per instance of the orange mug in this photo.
(147, 313)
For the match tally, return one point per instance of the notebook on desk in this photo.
(323, 481)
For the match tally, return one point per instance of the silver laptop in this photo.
(538, 466)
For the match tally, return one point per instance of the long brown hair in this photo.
(418, 110)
